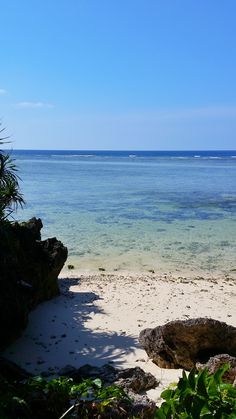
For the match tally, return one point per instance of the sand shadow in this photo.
(99, 346)
(59, 333)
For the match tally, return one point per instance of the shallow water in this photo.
(170, 211)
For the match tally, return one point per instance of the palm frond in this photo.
(10, 196)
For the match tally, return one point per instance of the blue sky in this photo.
(125, 74)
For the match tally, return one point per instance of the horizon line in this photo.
(118, 150)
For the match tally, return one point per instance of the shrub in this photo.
(61, 398)
(199, 395)
(10, 195)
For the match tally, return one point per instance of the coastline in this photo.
(99, 315)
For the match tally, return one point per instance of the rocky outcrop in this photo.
(29, 269)
(182, 343)
(216, 362)
(133, 381)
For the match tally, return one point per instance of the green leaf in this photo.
(167, 394)
(107, 402)
(160, 414)
(183, 382)
(220, 372)
(98, 382)
(191, 378)
(202, 383)
(164, 412)
(232, 415)
(197, 406)
(37, 379)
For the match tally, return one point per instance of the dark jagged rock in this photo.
(28, 274)
(34, 226)
(217, 361)
(142, 407)
(133, 381)
(182, 343)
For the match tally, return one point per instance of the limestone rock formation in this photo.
(135, 379)
(182, 343)
(29, 269)
(217, 361)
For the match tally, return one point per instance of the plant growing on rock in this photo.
(62, 398)
(10, 195)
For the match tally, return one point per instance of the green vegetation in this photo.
(61, 398)
(10, 196)
(199, 396)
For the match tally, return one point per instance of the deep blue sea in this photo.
(135, 210)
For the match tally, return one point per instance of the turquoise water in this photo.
(135, 210)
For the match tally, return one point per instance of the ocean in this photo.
(135, 210)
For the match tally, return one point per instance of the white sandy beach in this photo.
(98, 317)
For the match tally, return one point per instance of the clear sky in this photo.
(119, 74)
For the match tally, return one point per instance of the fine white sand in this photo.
(98, 317)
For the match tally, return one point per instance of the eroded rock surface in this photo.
(217, 361)
(29, 269)
(182, 343)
